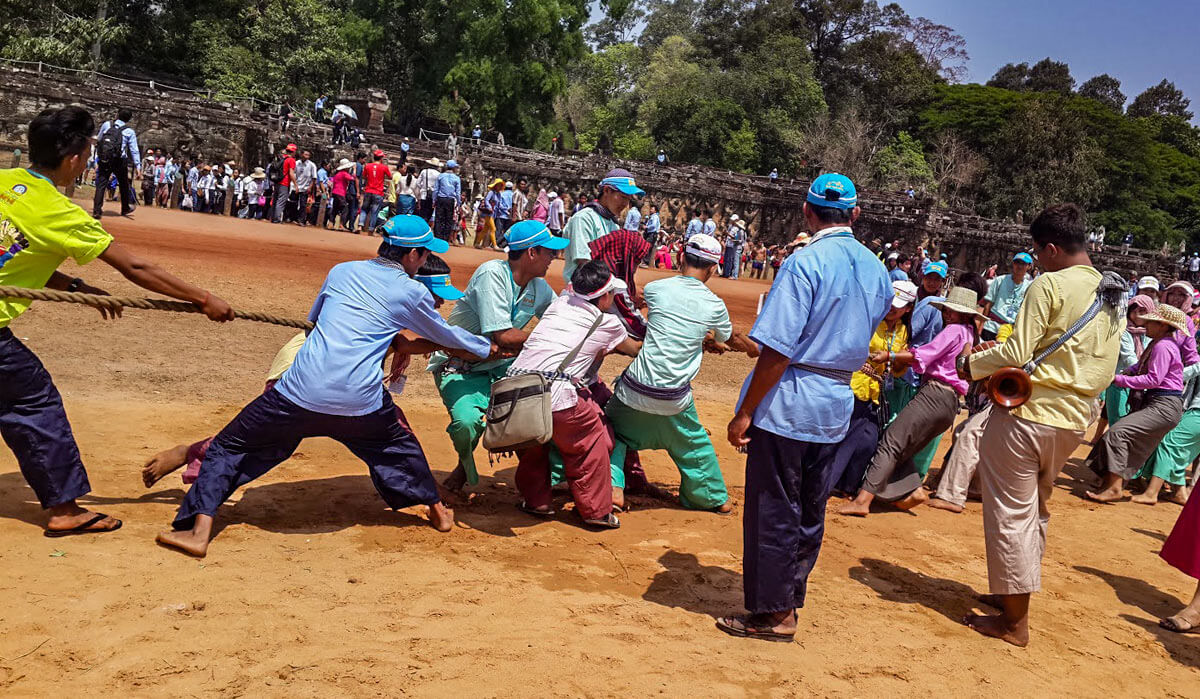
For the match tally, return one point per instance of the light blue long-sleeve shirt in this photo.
(694, 226)
(652, 223)
(633, 219)
(361, 307)
(448, 185)
(129, 142)
(822, 310)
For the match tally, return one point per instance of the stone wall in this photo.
(191, 125)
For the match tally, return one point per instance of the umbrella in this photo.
(346, 110)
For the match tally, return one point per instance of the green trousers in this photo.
(616, 464)
(1116, 403)
(466, 398)
(899, 396)
(702, 486)
(1176, 451)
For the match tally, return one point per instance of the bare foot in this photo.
(939, 504)
(69, 515)
(455, 482)
(1180, 496)
(724, 508)
(1106, 495)
(194, 541)
(996, 626)
(855, 509)
(995, 601)
(1144, 499)
(618, 498)
(163, 463)
(441, 517)
(917, 497)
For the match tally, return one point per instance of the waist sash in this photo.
(839, 375)
(653, 391)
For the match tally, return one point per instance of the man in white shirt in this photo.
(302, 182)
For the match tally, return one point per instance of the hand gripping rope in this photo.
(114, 302)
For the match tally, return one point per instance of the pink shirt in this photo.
(1164, 370)
(936, 359)
(564, 324)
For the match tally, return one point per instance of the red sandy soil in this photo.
(313, 588)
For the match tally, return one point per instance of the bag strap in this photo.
(575, 352)
(1104, 293)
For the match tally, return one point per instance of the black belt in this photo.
(1162, 393)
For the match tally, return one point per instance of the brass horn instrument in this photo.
(1010, 387)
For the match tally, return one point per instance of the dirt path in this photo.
(313, 588)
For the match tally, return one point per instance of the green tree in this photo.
(902, 164)
(1050, 76)
(61, 33)
(1165, 99)
(1011, 76)
(1106, 90)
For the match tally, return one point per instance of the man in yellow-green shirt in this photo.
(52, 228)
(1022, 450)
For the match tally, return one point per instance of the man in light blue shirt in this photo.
(650, 233)
(696, 225)
(1005, 296)
(335, 389)
(447, 194)
(652, 405)
(710, 227)
(114, 156)
(633, 220)
(815, 329)
(499, 301)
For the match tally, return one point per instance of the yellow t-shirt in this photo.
(285, 357)
(54, 226)
(1066, 385)
(866, 388)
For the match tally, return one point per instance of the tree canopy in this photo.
(804, 86)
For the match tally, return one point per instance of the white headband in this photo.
(613, 284)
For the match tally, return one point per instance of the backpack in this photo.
(109, 148)
(275, 171)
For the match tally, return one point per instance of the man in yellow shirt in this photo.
(1021, 451)
(32, 420)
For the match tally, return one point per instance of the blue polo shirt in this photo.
(448, 185)
(822, 310)
(361, 307)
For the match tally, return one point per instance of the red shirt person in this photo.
(375, 174)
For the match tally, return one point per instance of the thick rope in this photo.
(114, 302)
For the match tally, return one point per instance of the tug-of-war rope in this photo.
(114, 302)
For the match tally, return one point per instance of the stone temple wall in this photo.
(191, 125)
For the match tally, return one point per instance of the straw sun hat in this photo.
(1167, 314)
(961, 300)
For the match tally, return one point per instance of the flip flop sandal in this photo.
(1172, 624)
(84, 528)
(735, 626)
(522, 506)
(609, 522)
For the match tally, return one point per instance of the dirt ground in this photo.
(313, 588)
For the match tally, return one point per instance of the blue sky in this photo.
(1138, 43)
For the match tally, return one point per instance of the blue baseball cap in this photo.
(451, 164)
(1023, 257)
(939, 268)
(531, 233)
(439, 285)
(834, 191)
(411, 231)
(622, 181)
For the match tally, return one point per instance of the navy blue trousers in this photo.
(271, 427)
(34, 425)
(856, 450)
(787, 485)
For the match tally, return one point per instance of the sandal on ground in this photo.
(524, 507)
(739, 626)
(85, 528)
(609, 522)
(1176, 624)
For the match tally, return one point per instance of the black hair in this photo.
(57, 134)
(974, 282)
(360, 155)
(831, 214)
(125, 114)
(1061, 225)
(395, 253)
(514, 255)
(434, 265)
(590, 277)
(692, 260)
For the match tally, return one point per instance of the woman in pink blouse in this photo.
(892, 475)
(1159, 374)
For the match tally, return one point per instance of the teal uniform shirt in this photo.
(584, 227)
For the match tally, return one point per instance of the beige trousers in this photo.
(1018, 462)
(954, 482)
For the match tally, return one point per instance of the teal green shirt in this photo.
(1006, 298)
(681, 312)
(582, 229)
(493, 302)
